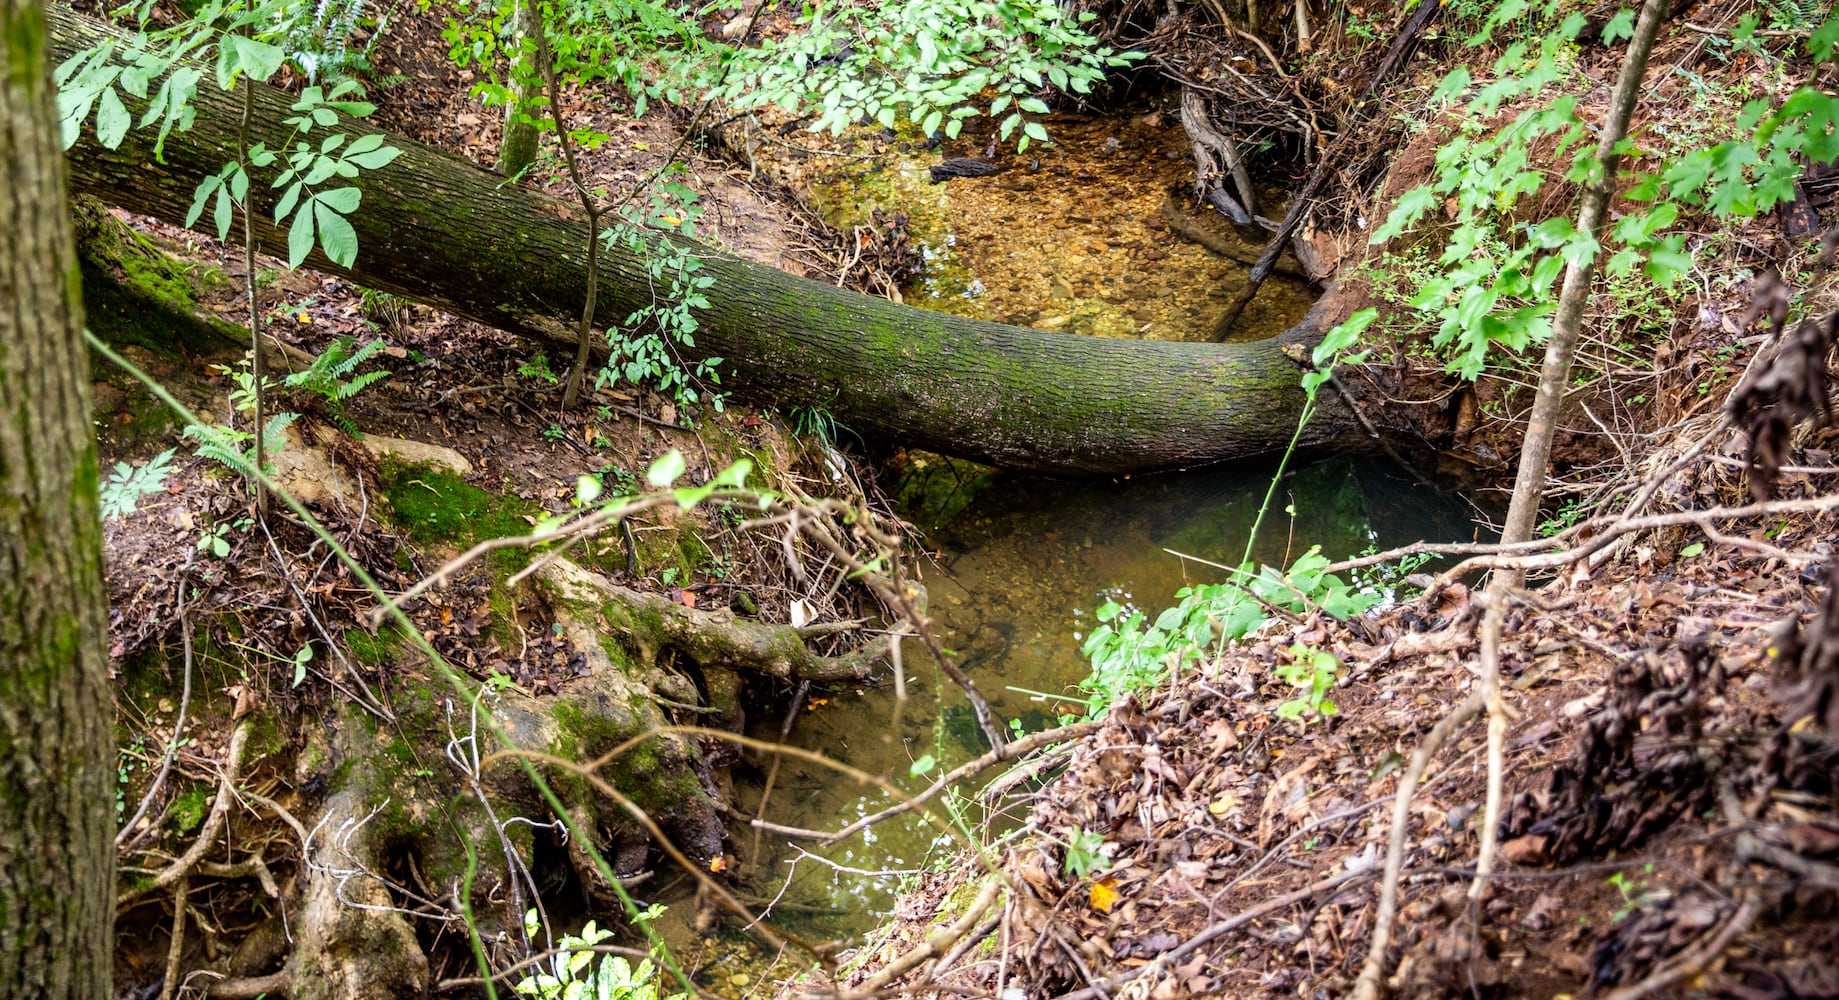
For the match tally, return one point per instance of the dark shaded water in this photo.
(1018, 566)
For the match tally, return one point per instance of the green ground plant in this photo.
(1313, 671)
(1130, 652)
(124, 487)
(579, 972)
(333, 377)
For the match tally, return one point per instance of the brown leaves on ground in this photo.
(1646, 737)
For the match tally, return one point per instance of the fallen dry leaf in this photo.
(1104, 894)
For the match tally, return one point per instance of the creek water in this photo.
(1075, 237)
(1015, 572)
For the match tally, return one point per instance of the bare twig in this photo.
(1490, 691)
(933, 947)
(1022, 747)
(537, 959)
(250, 987)
(1597, 532)
(126, 839)
(176, 950)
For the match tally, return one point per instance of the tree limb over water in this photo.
(443, 231)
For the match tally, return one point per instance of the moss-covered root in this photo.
(652, 623)
(349, 943)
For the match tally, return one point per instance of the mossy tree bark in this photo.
(517, 150)
(445, 232)
(56, 839)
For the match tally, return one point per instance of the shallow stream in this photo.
(1071, 237)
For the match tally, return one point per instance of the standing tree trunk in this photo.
(1561, 347)
(517, 151)
(56, 841)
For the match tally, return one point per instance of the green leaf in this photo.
(336, 237)
(1694, 549)
(374, 159)
(344, 200)
(1452, 86)
(221, 214)
(289, 198)
(1343, 336)
(112, 119)
(1035, 131)
(735, 476)
(1033, 104)
(203, 193)
(300, 237)
(364, 144)
(1621, 26)
(1824, 40)
(1667, 264)
(258, 59)
(666, 469)
(1411, 206)
(922, 766)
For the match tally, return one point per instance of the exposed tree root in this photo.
(718, 637)
(213, 824)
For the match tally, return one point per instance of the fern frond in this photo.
(359, 356)
(346, 390)
(274, 433)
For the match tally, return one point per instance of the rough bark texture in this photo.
(448, 233)
(56, 842)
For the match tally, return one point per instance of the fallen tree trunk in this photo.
(443, 231)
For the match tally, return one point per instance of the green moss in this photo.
(616, 653)
(264, 735)
(434, 506)
(647, 773)
(136, 293)
(374, 650)
(189, 810)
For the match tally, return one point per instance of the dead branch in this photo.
(176, 950)
(1591, 536)
(715, 890)
(279, 984)
(719, 637)
(933, 947)
(1020, 748)
(1402, 47)
(1490, 691)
